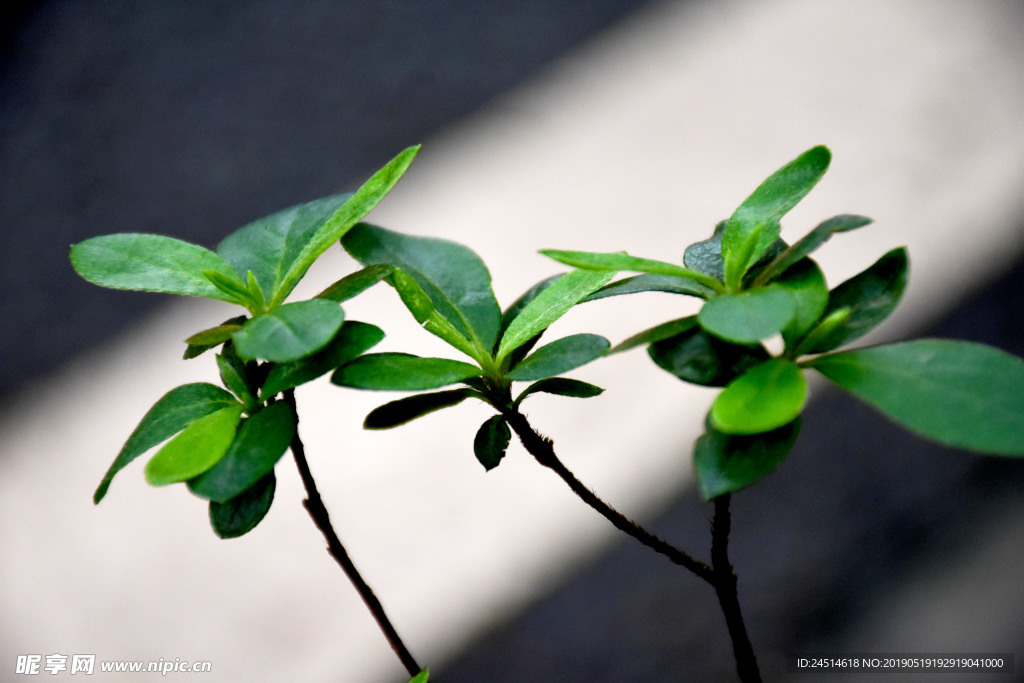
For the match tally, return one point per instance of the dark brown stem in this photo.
(725, 587)
(315, 506)
(542, 449)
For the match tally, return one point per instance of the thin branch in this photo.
(315, 506)
(725, 588)
(542, 449)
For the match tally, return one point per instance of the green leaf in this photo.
(706, 256)
(958, 393)
(201, 342)
(452, 276)
(656, 333)
(744, 256)
(516, 306)
(289, 332)
(478, 383)
(232, 288)
(241, 514)
(560, 356)
(253, 287)
(748, 317)
(240, 377)
(652, 283)
(491, 442)
(831, 325)
(422, 309)
(409, 408)
(260, 442)
(726, 463)
(511, 313)
(151, 263)
(560, 386)
(231, 378)
(870, 297)
(353, 339)
(622, 261)
(355, 283)
(697, 357)
(774, 251)
(196, 449)
(763, 398)
(548, 306)
(806, 285)
(760, 213)
(269, 246)
(215, 336)
(808, 244)
(175, 410)
(421, 677)
(401, 372)
(350, 213)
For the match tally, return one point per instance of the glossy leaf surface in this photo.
(870, 296)
(355, 283)
(353, 339)
(764, 398)
(422, 309)
(548, 306)
(233, 289)
(748, 317)
(652, 283)
(622, 261)
(656, 333)
(151, 263)
(238, 376)
(512, 312)
(492, 441)
(196, 449)
(561, 355)
(700, 358)
(726, 463)
(241, 514)
(759, 214)
(560, 386)
(958, 393)
(706, 256)
(289, 332)
(201, 342)
(454, 278)
(269, 246)
(350, 213)
(260, 442)
(407, 409)
(810, 243)
(805, 283)
(401, 372)
(214, 336)
(175, 410)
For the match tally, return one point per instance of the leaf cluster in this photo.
(223, 443)
(447, 288)
(757, 287)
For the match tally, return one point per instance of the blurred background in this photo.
(595, 124)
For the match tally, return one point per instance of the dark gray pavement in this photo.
(191, 119)
(858, 511)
